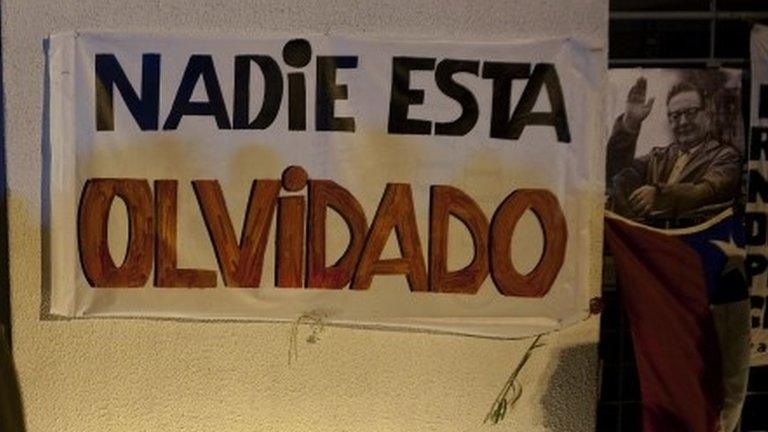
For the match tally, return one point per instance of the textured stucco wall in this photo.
(136, 375)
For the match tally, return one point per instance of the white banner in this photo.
(757, 195)
(442, 186)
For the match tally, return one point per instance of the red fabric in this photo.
(664, 294)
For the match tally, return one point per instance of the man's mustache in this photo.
(685, 130)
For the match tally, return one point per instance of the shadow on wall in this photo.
(11, 408)
(572, 390)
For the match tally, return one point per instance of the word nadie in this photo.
(301, 255)
(505, 123)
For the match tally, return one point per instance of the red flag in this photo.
(665, 294)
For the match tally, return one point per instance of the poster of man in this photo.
(674, 154)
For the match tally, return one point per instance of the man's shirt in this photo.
(682, 160)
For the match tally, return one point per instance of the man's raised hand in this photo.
(637, 107)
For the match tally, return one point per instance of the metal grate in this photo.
(619, 408)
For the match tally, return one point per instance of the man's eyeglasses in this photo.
(689, 114)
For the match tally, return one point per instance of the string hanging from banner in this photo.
(512, 390)
(316, 321)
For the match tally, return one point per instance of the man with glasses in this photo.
(693, 177)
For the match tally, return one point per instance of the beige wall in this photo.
(138, 375)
